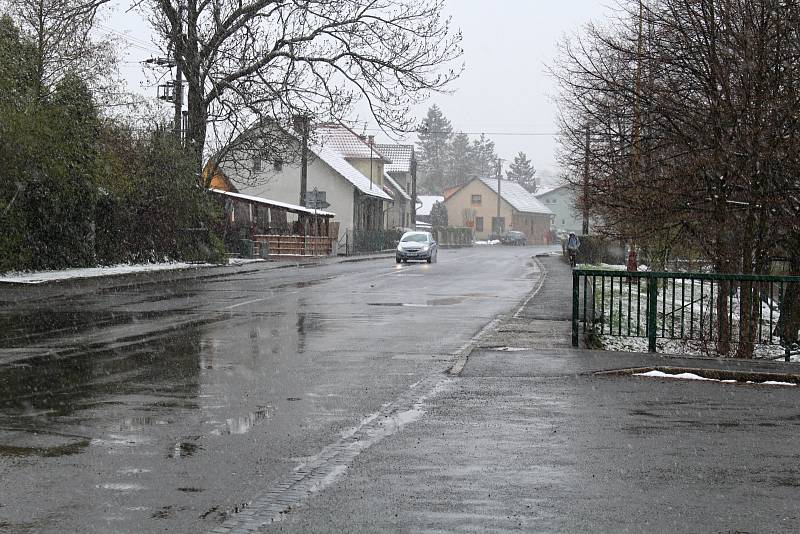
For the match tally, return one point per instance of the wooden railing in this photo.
(293, 245)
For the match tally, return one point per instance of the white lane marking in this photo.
(332, 462)
(232, 306)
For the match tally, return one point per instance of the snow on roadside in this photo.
(490, 242)
(692, 376)
(111, 270)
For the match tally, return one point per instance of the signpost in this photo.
(316, 200)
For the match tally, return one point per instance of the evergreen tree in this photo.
(460, 169)
(435, 133)
(60, 186)
(438, 215)
(483, 158)
(19, 130)
(522, 172)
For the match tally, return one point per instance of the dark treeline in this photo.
(80, 190)
(448, 158)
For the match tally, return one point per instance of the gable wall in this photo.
(284, 186)
(462, 200)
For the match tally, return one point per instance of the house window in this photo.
(479, 224)
(476, 200)
(277, 164)
(256, 164)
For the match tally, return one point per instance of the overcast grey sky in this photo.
(505, 90)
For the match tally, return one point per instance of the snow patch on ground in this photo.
(510, 349)
(602, 267)
(111, 270)
(692, 376)
(491, 242)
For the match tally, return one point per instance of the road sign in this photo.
(316, 200)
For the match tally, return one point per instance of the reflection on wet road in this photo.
(167, 406)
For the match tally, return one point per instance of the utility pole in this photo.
(499, 230)
(371, 140)
(301, 122)
(413, 191)
(586, 185)
(178, 51)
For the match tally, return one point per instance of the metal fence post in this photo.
(575, 305)
(652, 308)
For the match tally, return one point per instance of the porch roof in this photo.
(293, 208)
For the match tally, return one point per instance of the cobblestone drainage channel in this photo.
(753, 378)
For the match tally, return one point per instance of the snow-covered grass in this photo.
(684, 318)
(111, 270)
(601, 267)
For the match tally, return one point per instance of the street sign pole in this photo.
(316, 227)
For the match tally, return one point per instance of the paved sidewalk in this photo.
(531, 440)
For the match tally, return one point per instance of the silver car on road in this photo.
(417, 246)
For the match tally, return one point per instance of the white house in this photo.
(398, 214)
(561, 200)
(342, 166)
(401, 176)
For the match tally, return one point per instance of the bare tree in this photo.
(61, 32)
(272, 60)
(692, 108)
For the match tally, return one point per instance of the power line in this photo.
(132, 41)
(524, 134)
(127, 37)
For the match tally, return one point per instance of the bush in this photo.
(596, 249)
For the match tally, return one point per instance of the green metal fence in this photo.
(683, 306)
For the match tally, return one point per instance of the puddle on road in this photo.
(305, 283)
(448, 301)
(35, 442)
(42, 323)
(186, 448)
(120, 486)
(44, 452)
(168, 296)
(243, 424)
(130, 424)
(133, 471)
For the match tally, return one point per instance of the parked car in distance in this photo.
(514, 237)
(417, 246)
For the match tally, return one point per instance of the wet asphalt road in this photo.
(166, 406)
(532, 440)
